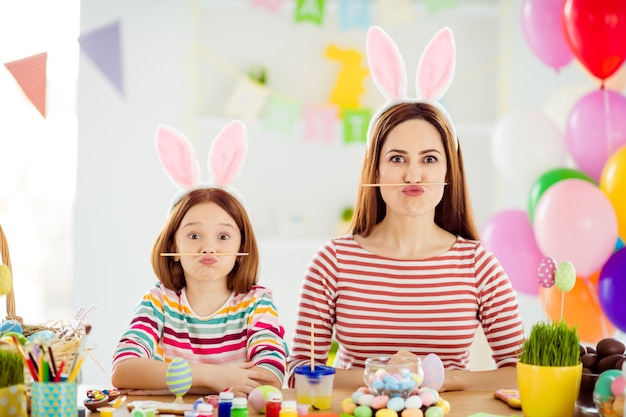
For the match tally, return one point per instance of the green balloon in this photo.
(547, 180)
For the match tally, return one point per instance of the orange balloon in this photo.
(581, 307)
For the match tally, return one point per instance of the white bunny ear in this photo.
(436, 66)
(386, 64)
(228, 152)
(177, 156)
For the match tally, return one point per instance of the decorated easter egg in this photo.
(546, 271)
(433, 372)
(178, 377)
(10, 326)
(5, 280)
(603, 384)
(565, 276)
(259, 396)
(41, 336)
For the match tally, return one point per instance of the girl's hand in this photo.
(241, 378)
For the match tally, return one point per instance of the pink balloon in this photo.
(509, 236)
(575, 221)
(596, 127)
(543, 29)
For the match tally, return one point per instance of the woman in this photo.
(411, 278)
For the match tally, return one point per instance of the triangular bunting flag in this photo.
(30, 74)
(104, 48)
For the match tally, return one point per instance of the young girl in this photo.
(206, 307)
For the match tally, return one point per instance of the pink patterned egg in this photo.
(546, 272)
(433, 372)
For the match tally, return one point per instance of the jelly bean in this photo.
(385, 412)
(363, 411)
(396, 404)
(434, 411)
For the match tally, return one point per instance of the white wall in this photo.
(123, 194)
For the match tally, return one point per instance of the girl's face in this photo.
(412, 154)
(207, 229)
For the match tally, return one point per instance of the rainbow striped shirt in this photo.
(374, 305)
(246, 328)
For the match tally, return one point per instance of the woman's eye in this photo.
(223, 236)
(193, 236)
(397, 159)
(430, 159)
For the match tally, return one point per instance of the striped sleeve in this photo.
(498, 311)
(141, 340)
(266, 343)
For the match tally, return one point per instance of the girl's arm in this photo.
(492, 380)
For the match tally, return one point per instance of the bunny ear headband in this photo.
(435, 71)
(226, 158)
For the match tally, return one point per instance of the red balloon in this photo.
(595, 31)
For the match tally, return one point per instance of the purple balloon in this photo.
(543, 29)
(510, 237)
(596, 127)
(612, 289)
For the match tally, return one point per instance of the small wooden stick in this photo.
(203, 254)
(404, 184)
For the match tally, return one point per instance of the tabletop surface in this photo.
(462, 403)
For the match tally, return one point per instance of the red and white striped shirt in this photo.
(373, 305)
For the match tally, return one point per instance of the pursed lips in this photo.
(208, 260)
(413, 190)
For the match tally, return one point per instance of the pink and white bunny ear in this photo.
(177, 156)
(386, 64)
(228, 153)
(436, 66)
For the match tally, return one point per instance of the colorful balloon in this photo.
(546, 272)
(612, 288)
(596, 127)
(522, 135)
(595, 32)
(178, 378)
(509, 236)
(565, 276)
(580, 307)
(574, 221)
(543, 29)
(548, 179)
(613, 183)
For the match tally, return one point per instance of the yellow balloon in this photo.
(613, 184)
(5, 280)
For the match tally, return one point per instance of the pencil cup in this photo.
(53, 399)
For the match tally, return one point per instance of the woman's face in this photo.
(413, 154)
(207, 229)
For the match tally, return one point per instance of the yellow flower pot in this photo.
(13, 401)
(548, 391)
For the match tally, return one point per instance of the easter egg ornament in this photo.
(5, 280)
(434, 374)
(178, 378)
(259, 396)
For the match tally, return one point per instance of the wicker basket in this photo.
(64, 347)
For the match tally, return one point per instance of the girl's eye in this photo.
(223, 236)
(397, 159)
(193, 236)
(430, 159)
